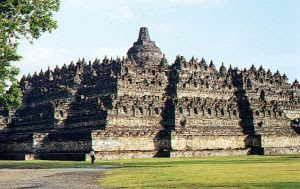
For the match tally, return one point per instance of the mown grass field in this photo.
(210, 172)
(243, 172)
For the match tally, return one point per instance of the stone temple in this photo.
(141, 106)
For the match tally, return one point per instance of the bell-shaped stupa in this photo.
(144, 51)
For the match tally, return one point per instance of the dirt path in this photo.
(50, 178)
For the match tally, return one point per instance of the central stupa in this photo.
(144, 50)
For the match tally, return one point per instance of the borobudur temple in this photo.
(141, 106)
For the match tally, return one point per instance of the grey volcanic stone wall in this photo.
(141, 106)
(126, 144)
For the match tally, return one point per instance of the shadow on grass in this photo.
(155, 162)
(271, 185)
(196, 161)
(43, 165)
(277, 185)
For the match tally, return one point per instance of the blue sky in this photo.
(237, 32)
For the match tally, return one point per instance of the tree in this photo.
(20, 19)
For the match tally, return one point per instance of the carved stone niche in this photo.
(39, 141)
(183, 122)
(60, 113)
(4, 121)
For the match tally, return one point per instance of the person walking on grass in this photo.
(92, 155)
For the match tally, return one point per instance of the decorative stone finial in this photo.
(211, 64)
(164, 61)
(296, 84)
(144, 34)
(222, 69)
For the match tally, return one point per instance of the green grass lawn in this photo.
(209, 172)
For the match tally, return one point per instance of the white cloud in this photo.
(38, 58)
(77, 3)
(197, 1)
(115, 9)
(120, 12)
(104, 3)
(127, 9)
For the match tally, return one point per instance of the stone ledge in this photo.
(281, 151)
(205, 153)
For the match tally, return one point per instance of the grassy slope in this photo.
(210, 172)
(214, 172)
